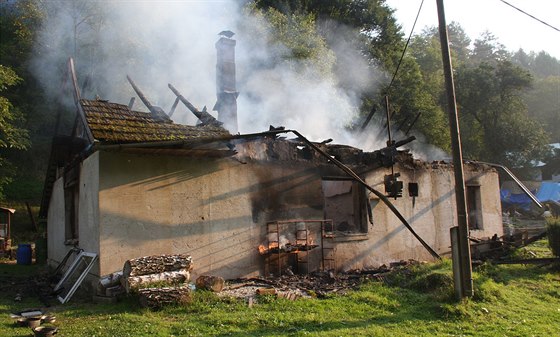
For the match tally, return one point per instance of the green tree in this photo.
(488, 49)
(545, 65)
(19, 25)
(293, 40)
(12, 133)
(542, 102)
(522, 59)
(494, 122)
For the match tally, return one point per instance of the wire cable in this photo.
(405, 47)
(539, 20)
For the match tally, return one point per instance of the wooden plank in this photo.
(77, 97)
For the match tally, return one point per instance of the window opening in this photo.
(474, 207)
(71, 202)
(346, 204)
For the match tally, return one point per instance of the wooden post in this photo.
(460, 199)
(456, 261)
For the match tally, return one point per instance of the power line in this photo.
(539, 20)
(405, 46)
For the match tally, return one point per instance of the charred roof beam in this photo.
(203, 116)
(156, 111)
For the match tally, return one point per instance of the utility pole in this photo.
(464, 270)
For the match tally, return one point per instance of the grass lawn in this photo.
(510, 300)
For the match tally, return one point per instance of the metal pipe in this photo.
(517, 181)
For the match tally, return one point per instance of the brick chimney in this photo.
(226, 91)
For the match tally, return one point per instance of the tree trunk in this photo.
(156, 298)
(133, 283)
(212, 283)
(156, 264)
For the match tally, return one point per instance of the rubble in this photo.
(316, 284)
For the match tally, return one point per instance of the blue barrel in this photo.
(23, 255)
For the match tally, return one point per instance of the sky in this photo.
(512, 28)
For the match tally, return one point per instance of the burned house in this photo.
(129, 184)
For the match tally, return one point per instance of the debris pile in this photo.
(316, 284)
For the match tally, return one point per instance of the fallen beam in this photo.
(156, 111)
(381, 196)
(204, 116)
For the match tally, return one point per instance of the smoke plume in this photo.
(163, 42)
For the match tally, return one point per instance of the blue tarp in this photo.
(518, 200)
(549, 191)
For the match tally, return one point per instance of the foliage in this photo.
(488, 49)
(11, 136)
(19, 24)
(542, 104)
(295, 41)
(12, 133)
(494, 122)
(553, 228)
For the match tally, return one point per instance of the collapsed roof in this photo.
(114, 123)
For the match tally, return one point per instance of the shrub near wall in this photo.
(553, 228)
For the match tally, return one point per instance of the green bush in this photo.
(553, 228)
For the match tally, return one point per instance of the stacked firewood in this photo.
(158, 280)
(157, 269)
(143, 276)
(156, 298)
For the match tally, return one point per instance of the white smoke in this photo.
(163, 42)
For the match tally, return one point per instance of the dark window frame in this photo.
(71, 205)
(361, 209)
(474, 207)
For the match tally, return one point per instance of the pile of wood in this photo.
(110, 285)
(153, 270)
(156, 298)
(157, 280)
(161, 280)
(157, 264)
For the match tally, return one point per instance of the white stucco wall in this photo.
(88, 215)
(216, 210)
(431, 215)
(55, 224)
(171, 205)
(88, 230)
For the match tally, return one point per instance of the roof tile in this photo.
(116, 123)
